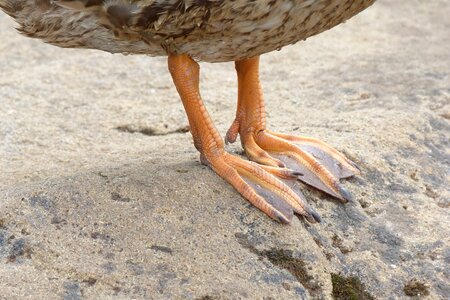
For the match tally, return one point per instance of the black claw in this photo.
(281, 218)
(344, 193)
(313, 216)
(356, 166)
(297, 173)
(316, 216)
(203, 160)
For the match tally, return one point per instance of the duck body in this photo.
(207, 30)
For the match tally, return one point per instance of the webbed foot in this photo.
(321, 165)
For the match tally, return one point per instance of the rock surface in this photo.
(102, 195)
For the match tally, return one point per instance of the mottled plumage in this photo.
(209, 30)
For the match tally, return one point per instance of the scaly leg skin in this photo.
(254, 182)
(321, 165)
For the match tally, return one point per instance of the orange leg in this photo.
(321, 165)
(252, 181)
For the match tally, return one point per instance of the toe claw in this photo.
(345, 193)
(313, 216)
(203, 160)
(356, 166)
(282, 218)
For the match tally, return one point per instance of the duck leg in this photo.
(321, 165)
(251, 180)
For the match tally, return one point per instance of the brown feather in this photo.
(209, 30)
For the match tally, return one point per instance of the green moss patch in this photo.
(415, 288)
(284, 259)
(349, 288)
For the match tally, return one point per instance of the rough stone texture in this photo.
(88, 211)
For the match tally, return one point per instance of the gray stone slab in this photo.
(90, 210)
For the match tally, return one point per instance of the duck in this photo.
(239, 31)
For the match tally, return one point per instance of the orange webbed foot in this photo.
(321, 166)
(254, 182)
(264, 190)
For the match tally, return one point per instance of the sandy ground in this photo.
(91, 211)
